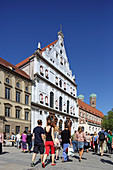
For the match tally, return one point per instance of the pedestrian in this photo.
(1, 141)
(66, 141)
(50, 142)
(29, 140)
(80, 136)
(18, 140)
(38, 139)
(95, 142)
(102, 138)
(109, 140)
(13, 138)
(87, 142)
(4, 138)
(57, 142)
(74, 142)
(24, 137)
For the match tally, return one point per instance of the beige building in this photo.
(15, 99)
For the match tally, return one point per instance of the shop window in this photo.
(41, 98)
(41, 70)
(7, 128)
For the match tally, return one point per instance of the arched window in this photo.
(52, 99)
(73, 92)
(60, 103)
(41, 98)
(46, 74)
(73, 111)
(46, 100)
(64, 86)
(67, 106)
(18, 85)
(56, 80)
(7, 80)
(56, 104)
(41, 70)
(60, 82)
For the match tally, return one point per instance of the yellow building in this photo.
(15, 99)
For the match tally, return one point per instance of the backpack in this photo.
(102, 136)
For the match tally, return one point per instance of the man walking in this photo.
(102, 138)
(66, 140)
(38, 137)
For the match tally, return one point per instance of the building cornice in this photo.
(55, 86)
(52, 110)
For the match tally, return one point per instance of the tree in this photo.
(107, 122)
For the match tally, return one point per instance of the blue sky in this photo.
(88, 35)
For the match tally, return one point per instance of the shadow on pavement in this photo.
(4, 152)
(106, 161)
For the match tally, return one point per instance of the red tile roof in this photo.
(43, 49)
(13, 67)
(84, 106)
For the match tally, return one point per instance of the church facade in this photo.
(54, 91)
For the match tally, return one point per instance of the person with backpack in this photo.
(102, 138)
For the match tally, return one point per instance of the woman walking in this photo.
(95, 142)
(24, 137)
(57, 142)
(87, 143)
(50, 141)
(80, 137)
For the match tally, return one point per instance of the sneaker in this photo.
(32, 164)
(53, 164)
(43, 166)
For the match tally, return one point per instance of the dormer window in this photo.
(18, 85)
(61, 60)
(41, 98)
(56, 80)
(46, 100)
(41, 70)
(46, 73)
(7, 80)
(64, 86)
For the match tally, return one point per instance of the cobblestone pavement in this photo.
(14, 159)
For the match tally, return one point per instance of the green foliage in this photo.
(107, 122)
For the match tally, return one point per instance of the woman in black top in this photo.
(49, 132)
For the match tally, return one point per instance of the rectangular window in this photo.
(7, 111)
(26, 129)
(7, 128)
(26, 115)
(7, 93)
(17, 129)
(17, 114)
(17, 96)
(26, 99)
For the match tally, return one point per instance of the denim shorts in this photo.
(81, 145)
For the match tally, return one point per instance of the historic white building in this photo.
(54, 91)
